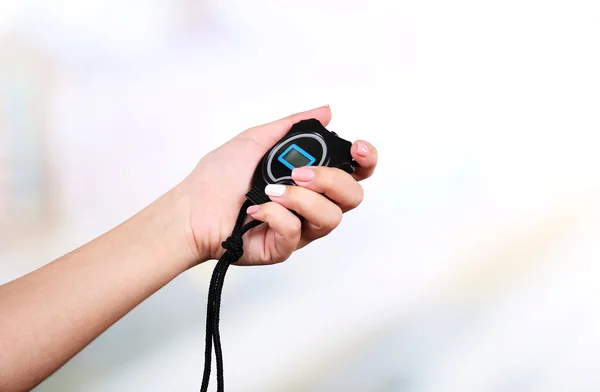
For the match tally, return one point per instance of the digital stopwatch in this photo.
(308, 143)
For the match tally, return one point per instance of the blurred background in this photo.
(473, 264)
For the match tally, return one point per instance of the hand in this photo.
(216, 190)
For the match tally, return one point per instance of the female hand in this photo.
(216, 189)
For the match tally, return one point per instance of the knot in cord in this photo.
(234, 246)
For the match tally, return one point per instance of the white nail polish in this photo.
(275, 190)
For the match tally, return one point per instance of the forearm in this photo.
(49, 315)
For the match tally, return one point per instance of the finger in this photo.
(365, 154)
(269, 134)
(334, 183)
(321, 214)
(286, 228)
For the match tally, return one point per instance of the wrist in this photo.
(169, 217)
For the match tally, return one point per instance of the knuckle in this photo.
(333, 219)
(295, 227)
(357, 196)
(339, 215)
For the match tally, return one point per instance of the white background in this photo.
(472, 264)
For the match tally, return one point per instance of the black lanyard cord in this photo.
(233, 252)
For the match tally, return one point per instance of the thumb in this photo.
(270, 133)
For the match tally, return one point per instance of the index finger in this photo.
(365, 154)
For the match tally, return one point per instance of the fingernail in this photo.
(303, 174)
(363, 149)
(275, 190)
(252, 210)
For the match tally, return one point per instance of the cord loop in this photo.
(233, 246)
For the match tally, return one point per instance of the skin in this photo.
(49, 315)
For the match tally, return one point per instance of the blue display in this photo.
(294, 157)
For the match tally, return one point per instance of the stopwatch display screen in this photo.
(294, 156)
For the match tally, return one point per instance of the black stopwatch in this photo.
(308, 143)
